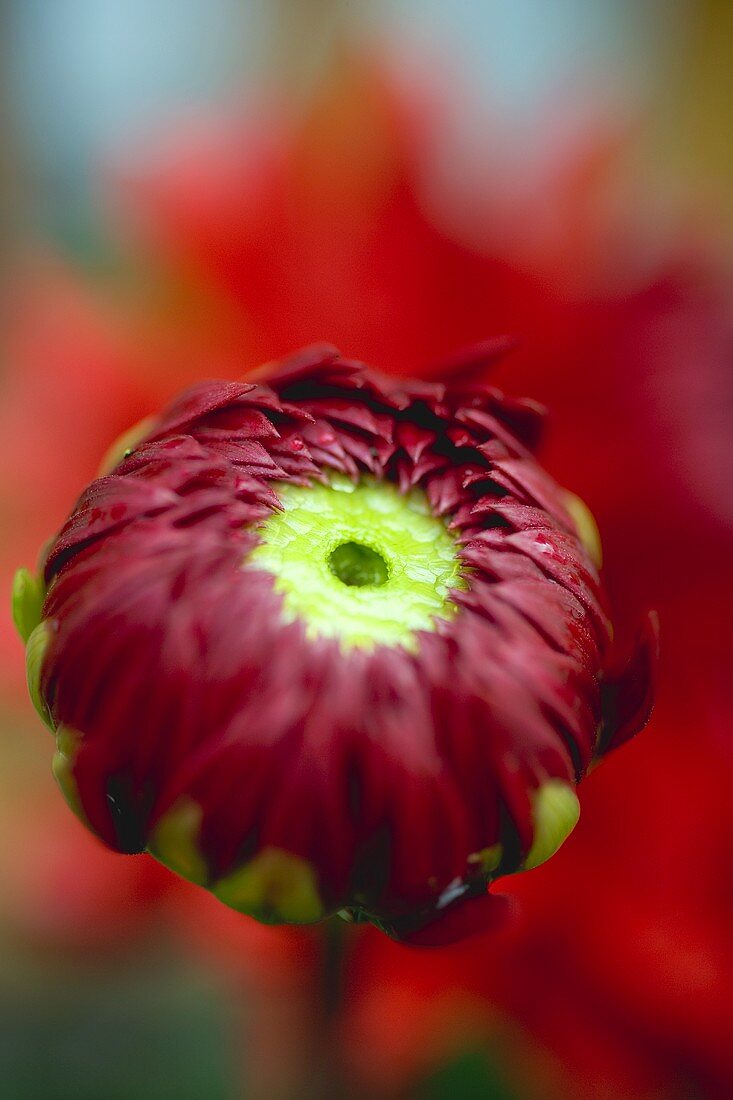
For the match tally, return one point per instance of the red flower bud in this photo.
(331, 641)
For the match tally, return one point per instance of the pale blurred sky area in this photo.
(87, 77)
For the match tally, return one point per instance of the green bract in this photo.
(27, 602)
(360, 562)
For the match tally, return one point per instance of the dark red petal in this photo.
(108, 505)
(533, 486)
(196, 403)
(526, 419)
(297, 367)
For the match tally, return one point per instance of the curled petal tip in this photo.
(628, 690)
(470, 362)
(470, 916)
(299, 364)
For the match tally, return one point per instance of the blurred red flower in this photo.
(620, 969)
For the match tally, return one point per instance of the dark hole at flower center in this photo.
(358, 566)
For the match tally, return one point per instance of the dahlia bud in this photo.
(330, 641)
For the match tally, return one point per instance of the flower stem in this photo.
(333, 966)
(334, 953)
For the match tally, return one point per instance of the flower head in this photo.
(325, 640)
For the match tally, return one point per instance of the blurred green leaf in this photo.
(473, 1075)
(111, 1035)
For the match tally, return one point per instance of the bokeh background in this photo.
(190, 187)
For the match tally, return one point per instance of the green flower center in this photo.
(361, 562)
(358, 565)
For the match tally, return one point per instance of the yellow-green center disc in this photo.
(360, 562)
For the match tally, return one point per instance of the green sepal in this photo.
(175, 842)
(124, 445)
(275, 887)
(67, 747)
(487, 860)
(35, 654)
(29, 593)
(556, 811)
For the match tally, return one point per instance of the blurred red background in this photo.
(234, 241)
